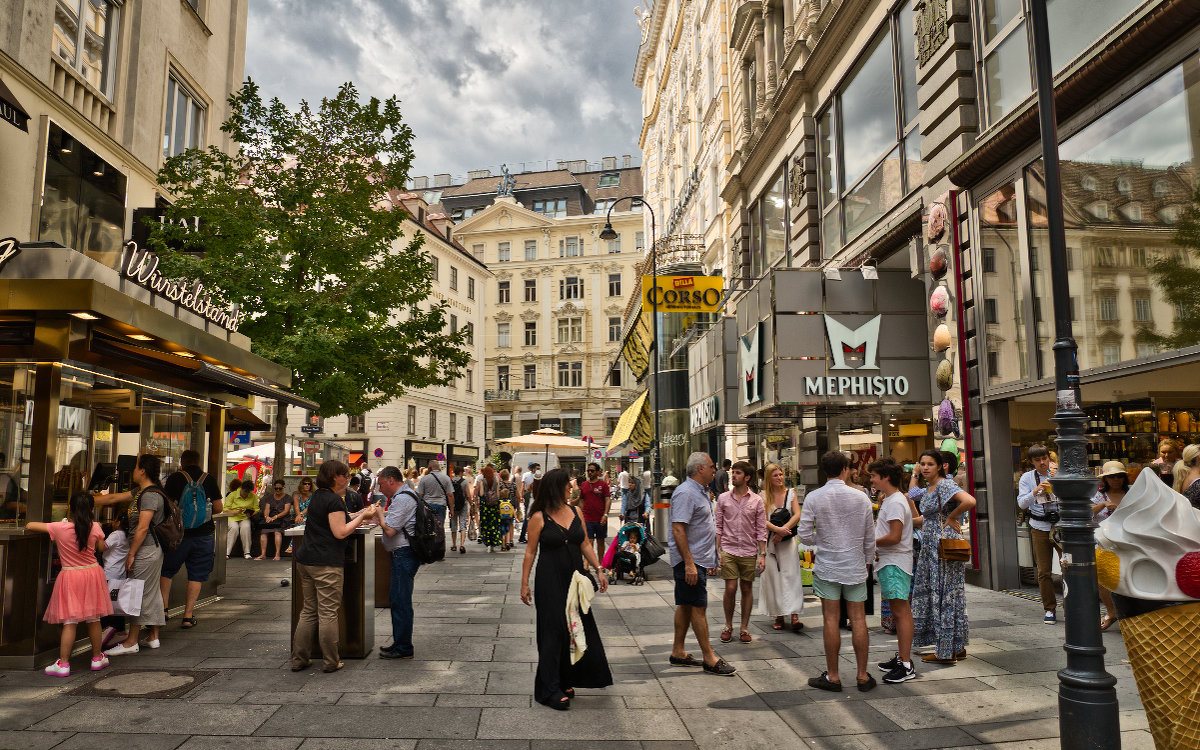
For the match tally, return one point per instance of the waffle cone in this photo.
(1164, 650)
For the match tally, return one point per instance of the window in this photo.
(614, 245)
(503, 253)
(1141, 309)
(993, 361)
(85, 40)
(470, 287)
(412, 420)
(453, 278)
(531, 333)
(271, 414)
(477, 250)
(614, 328)
(1005, 41)
(1110, 354)
(453, 324)
(470, 428)
(531, 290)
(989, 260)
(614, 378)
(502, 378)
(570, 288)
(572, 426)
(530, 249)
(503, 335)
(570, 330)
(610, 180)
(183, 126)
(570, 374)
(990, 315)
(1146, 349)
(553, 208)
(470, 334)
(453, 426)
(603, 205)
(433, 423)
(569, 248)
(610, 425)
(868, 140)
(1104, 256)
(1108, 309)
(357, 423)
(501, 428)
(529, 377)
(614, 285)
(83, 203)
(433, 259)
(639, 240)
(504, 292)
(1137, 257)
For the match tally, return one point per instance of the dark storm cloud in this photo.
(481, 81)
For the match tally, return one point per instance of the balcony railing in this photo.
(509, 395)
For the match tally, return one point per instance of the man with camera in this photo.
(1035, 496)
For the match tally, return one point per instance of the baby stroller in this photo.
(622, 562)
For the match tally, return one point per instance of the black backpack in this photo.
(428, 540)
(460, 495)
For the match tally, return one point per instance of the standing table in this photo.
(356, 616)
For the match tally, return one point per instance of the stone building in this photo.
(557, 294)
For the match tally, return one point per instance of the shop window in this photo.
(16, 392)
(529, 425)
(614, 328)
(529, 378)
(1005, 43)
(531, 333)
(504, 335)
(412, 420)
(570, 330)
(501, 428)
(84, 39)
(357, 423)
(503, 292)
(868, 138)
(614, 285)
(531, 290)
(183, 126)
(998, 229)
(502, 378)
(503, 252)
(83, 200)
(570, 374)
(530, 249)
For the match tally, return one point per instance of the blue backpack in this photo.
(193, 503)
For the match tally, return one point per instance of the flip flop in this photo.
(187, 623)
(726, 635)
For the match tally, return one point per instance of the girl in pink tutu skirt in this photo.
(80, 591)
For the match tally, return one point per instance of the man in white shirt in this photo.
(626, 490)
(893, 549)
(528, 477)
(1034, 494)
(837, 520)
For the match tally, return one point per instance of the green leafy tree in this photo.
(297, 229)
(1179, 281)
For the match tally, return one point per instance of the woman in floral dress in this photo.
(939, 598)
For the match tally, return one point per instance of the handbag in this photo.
(652, 549)
(954, 550)
(126, 596)
(780, 517)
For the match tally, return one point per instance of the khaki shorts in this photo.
(736, 566)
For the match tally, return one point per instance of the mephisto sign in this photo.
(847, 346)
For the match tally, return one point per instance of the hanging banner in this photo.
(697, 294)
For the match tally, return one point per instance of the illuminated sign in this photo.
(9, 247)
(849, 345)
(142, 267)
(694, 294)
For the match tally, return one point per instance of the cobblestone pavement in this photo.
(471, 681)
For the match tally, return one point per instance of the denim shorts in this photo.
(597, 529)
(690, 594)
(195, 552)
(894, 583)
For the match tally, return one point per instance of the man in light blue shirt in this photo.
(398, 525)
(692, 549)
(1035, 495)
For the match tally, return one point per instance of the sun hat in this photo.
(1112, 469)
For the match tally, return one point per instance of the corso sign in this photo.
(697, 294)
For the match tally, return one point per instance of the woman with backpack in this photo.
(488, 492)
(145, 557)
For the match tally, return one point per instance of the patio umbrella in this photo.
(544, 438)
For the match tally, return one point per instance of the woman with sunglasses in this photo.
(273, 508)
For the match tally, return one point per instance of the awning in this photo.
(527, 415)
(355, 458)
(634, 426)
(243, 419)
(636, 348)
(11, 110)
(570, 414)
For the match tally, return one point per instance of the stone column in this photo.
(769, 51)
(760, 68)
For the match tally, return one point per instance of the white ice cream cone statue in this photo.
(1149, 557)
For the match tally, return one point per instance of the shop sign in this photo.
(9, 247)
(694, 294)
(382, 426)
(750, 365)
(11, 112)
(416, 447)
(674, 441)
(846, 347)
(142, 267)
(681, 204)
(550, 423)
(705, 412)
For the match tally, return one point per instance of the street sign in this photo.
(240, 437)
(597, 454)
(310, 429)
(382, 426)
(633, 453)
(441, 456)
(379, 453)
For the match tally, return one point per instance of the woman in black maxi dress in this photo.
(560, 551)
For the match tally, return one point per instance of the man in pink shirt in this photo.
(741, 519)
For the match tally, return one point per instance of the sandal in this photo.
(726, 635)
(187, 623)
(336, 667)
(797, 626)
(745, 637)
(1106, 622)
(569, 692)
(778, 623)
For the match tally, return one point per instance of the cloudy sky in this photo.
(481, 82)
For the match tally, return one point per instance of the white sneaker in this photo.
(58, 669)
(121, 648)
(99, 662)
(247, 555)
(155, 643)
(106, 636)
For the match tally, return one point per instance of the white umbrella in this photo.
(545, 438)
(262, 452)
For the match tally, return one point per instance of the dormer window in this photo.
(1161, 188)
(1133, 211)
(1099, 209)
(1124, 186)
(1089, 183)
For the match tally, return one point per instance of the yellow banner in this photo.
(695, 294)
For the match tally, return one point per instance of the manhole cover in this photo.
(144, 683)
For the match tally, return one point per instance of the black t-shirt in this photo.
(320, 546)
(354, 501)
(176, 483)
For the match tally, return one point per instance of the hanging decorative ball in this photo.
(941, 338)
(949, 445)
(939, 302)
(945, 375)
(938, 263)
(936, 226)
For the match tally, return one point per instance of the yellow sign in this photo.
(695, 294)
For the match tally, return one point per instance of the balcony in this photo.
(509, 395)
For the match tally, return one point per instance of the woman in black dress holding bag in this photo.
(557, 539)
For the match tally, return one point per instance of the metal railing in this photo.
(508, 395)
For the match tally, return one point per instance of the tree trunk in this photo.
(280, 467)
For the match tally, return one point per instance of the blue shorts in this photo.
(894, 583)
(597, 529)
(194, 552)
(690, 594)
(856, 592)
(505, 525)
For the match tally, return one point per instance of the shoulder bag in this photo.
(953, 550)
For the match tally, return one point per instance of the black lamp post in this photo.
(1087, 696)
(608, 233)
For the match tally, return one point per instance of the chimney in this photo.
(477, 174)
(627, 161)
(420, 183)
(578, 165)
(608, 162)
(441, 180)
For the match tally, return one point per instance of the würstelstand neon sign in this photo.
(142, 267)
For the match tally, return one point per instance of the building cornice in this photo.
(646, 50)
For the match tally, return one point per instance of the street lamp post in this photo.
(1087, 696)
(608, 233)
